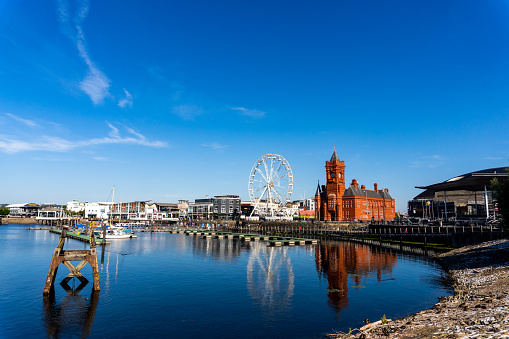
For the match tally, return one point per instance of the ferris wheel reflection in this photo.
(270, 277)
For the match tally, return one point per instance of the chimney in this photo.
(354, 183)
(363, 187)
(376, 187)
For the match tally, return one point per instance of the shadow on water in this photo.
(71, 315)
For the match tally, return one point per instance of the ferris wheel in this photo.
(270, 184)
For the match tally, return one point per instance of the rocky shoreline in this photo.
(479, 307)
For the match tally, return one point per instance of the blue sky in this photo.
(172, 100)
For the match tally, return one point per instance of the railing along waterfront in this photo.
(449, 235)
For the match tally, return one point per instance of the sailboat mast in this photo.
(111, 209)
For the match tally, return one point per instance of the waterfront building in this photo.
(267, 207)
(246, 208)
(307, 214)
(335, 202)
(226, 206)
(23, 209)
(75, 206)
(51, 213)
(183, 206)
(465, 196)
(201, 208)
(292, 209)
(125, 211)
(308, 204)
(97, 210)
(141, 211)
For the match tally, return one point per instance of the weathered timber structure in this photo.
(61, 256)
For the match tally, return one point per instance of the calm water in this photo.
(180, 286)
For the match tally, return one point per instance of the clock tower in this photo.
(335, 170)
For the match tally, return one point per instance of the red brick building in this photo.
(335, 202)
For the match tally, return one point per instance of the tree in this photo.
(4, 211)
(500, 190)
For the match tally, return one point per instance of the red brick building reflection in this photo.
(337, 261)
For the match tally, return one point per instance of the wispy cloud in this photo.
(428, 161)
(55, 144)
(214, 145)
(95, 84)
(29, 123)
(187, 112)
(127, 101)
(253, 113)
(493, 158)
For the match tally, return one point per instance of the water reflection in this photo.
(270, 278)
(222, 249)
(339, 261)
(72, 315)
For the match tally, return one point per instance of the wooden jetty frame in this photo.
(60, 256)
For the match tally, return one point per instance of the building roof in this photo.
(356, 191)
(165, 204)
(318, 191)
(52, 209)
(473, 181)
(334, 156)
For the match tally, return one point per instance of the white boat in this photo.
(116, 233)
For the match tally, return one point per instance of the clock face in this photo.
(332, 175)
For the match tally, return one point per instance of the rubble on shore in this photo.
(479, 307)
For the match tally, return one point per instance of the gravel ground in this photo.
(478, 309)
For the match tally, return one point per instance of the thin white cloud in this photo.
(55, 144)
(493, 158)
(127, 101)
(187, 112)
(29, 123)
(95, 84)
(253, 113)
(214, 145)
(428, 161)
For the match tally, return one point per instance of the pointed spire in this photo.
(318, 189)
(334, 155)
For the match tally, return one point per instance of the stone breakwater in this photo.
(478, 309)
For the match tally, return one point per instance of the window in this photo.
(358, 203)
(231, 208)
(223, 209)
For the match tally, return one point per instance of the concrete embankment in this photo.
(19, 221)
(478, 309)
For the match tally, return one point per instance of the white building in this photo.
(97, 210)
(75, 206)
(23, 209)
(183, 206)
